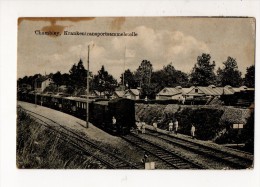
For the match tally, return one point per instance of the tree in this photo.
(78, 75)
(144, 72)
(229, 75)
(129, 79)
(57, 78)
(65, 79)
(174, 77)
(104, 82)
(203, 71)
(169, 77)
(249, 80)
(61, 79)
(143, 76)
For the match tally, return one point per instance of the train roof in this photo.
(77, 99)
(120, 99)
(102, 102)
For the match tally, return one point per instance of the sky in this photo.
(161, 40)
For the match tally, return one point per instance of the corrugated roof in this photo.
(168, 91)
(135, 91)
(217, 90)
(236, 89)
(214, 91)
(186, 90)
(228, 90)
(207, 90)
(120, 93)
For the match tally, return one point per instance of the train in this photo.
(101, 111)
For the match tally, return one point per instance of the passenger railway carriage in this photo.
(101, 111)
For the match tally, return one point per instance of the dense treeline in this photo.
(149, 81)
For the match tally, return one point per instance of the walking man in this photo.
(192, 131)
(143, 127)
(137, 126)
(155, 126)
(176, 125)
(113, 120)
(170, 126)
(144, 159)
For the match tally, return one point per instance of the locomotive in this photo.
(101, 111)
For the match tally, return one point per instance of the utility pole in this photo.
(87, 106)
(124, 70)
(35, 85)
(35, 88)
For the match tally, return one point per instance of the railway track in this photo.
(231, 160)
(169, 157)
(111, 160)
(173, 159)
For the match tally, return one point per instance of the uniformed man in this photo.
(143, 127)
(176, 125)
(170, 126)
(155, 126)
(113, 120)
(145, 158)
(192, 131)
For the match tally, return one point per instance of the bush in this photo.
(206, 122)
(211, 122)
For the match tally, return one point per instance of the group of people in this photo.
(176, 125)
(140, 127)
(173, 126)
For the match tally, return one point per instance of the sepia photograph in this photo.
(135, 93)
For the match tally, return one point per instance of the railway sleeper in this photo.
(182, 165)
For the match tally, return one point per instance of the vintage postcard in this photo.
(136, 93)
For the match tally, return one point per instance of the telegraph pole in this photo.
(124, 70)
(87, 106)
(35, 88)
(35, 85)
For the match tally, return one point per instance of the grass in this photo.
(40, 148)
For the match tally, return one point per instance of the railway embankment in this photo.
(40, 147)
(54, 147)
(213, 123)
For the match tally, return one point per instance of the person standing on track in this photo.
(170, 126)
(114, 123)
(138, 127)
(176, 125)
(145, 158)
(143, 127)
(193, 129)
(155, 126)
(114, 120)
